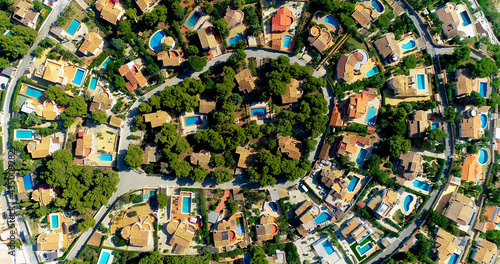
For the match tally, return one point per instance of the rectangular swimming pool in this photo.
(93, 83)
(73, 27)
(54, 221)
(104, 257)
(327, 245)
(240, 228)
(28, 185)
(287, 41)
(483, 89)
(106, 157)
(370, 116)
(193, 19)
(193, 120)
(352, 184)
(258, 111)
(186, 205)
(421, 82)
(361, 156)
(24, 134)
(77, 79)
(30, 91)
(421, 185)
(435, 126)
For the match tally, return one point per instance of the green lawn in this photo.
(355, 44)
(364, 242)
(398, 217)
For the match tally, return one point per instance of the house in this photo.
(357, 229)
(115, 121)
(461, 209)
(51, 241)
(324, 153)
(157, 119)
(485, 252)
(207, 38)
(448, 14)
(84, 145)
(168, 59)
(138, 233)
(91, 44)
(266, 229)
(132, 73)
(245, 80)
(356, 106)
(44, 195)
(493, 215)
(350, 145)
(410, 165)
(201, 159)
(230, 232)
(50, 110)
(234, 18)
(278, 258)
(61, 73)
(206, 106)
(282, 20)
(362, 17)
(150, 154)
(330, 177)
(383, 202)
(184, 233)
(25, 15)
(247, 157)
(336, 118)
(445, 246)
(145, 5)
(44, 147)
(472, 171)
(109, 11)
(388, 48)
(101, 102)
(341, 190)
(470, 127)
(320, 38)
(464, 83)
(290, 147)
(292, 92)
(305, 217)
(419, 124)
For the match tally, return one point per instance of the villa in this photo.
(331, 177)
(138, 233)
(84, 145)
(183, 233)
(357, 229)
(418, 126)
(493, 214)
(324, 249)
(336, 118)
(352, 146)
(355, 66)
(136, 230)
(466, 84)
(292, 93)
(115, 121)
(145, 5)
(91, 45)
(445, 246)
(201, 159)
(157, 119)
(290, 146)
(470, 127)
(25, 15)
(133, 75)
(485, 252)
(151, 154)
(101, 102)
(48, 110)
(383, 202)
(61, 73)
(278, 258)
(282, 20)
(51, 241)
(448, 14)
(110, 11)
(414, 85)
(472, 171)
(230, 232)
(208, 41)
(44, 195)
(246, 158)
(387, 47)
(245, 80)
(44, 147)
(234, 18)
(461, 210)
(320, 38)
(367, 11)
(358, 106)
(305, 216)
(410, 165)
(170, 58)
(343, 190)
(266, 229)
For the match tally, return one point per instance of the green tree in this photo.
(449, 114)
(221, 26)
(222, 175)
(131, 13)
(37, 5)
(383, 21)
(153, 258)
(4, 63)
(119, 44)
(398, 145)
(484, 68)
(239, 4)
(199, 174)
(410, 61)
(192, 50)
(38, 51)
(162, 200)
(436, 134)
(462, 53)
(195, 63)
(99, 116)
(125, 29)
(134, 157)
(86, 224)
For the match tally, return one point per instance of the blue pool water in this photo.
(483, 156)
(34, 92)
(421, 82)
(24, 134)
(483, 89)
(105, 63)
(240, 228)
(362, 250)
(193, 120)
(372, 72)
(54, 221)
(186, 205)
(193, 19)
(77, 80)
(378, 6)
(421, 185)
(407, 202)
(465, 18)
(435, 126)
(93, 83)
(361, 156)
(258, 111)
(73, 27)
(105, 157)
(287, 41)
(484, 121)
(9, 33)
(28, 185)
(155, 42)
(409, 45)
(370, 116)
(104, 258)
(453, 259)
(472, 218)
(239, 37)
(247, 257)
(323, 217)
(332, 21)
(352, 184)
(273, 206)
(327, 245)
(146, 196)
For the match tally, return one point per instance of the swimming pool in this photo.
(54, 221)
(234, 40)
(378, 6)
(24, 134)
(352, 184)
(155, 41)
(421, 185)
(323, 217)
(483, 88)
(465, 18)
(247, 257)
(93, 83)
(435, 126)
(483, 156)
(186, 205)
(370, 115)
(332, 21)
(240, 228)
(193, 120)
(105, 63)
(408, 200)
(362, 250)
(484, 121)
(73, 27)
(258, 111)
(421, 82)
(372, 72)
(77, 80)
(34, 92)
(361, 156)
(105, 157)
(9, 33)
(28, 184)
(472, 218)
(327, 245)
(273, 206)
(193, 19)
(287, 43)
(453, 259)
(104, 257)
(409, 45)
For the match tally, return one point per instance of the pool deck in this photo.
(187, 130)
(175, 209)
(409, 184)
(266, 209)
(469, 30)
(111, 256)
(105, 144)
(235, 31)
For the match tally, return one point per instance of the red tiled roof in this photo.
(282, 19)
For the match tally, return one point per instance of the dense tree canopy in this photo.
(134, 157)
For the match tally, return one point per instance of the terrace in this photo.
(192, 122)
(281, 22)
(180, 206)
